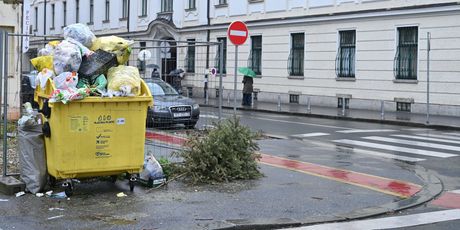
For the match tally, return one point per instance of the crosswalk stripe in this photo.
(372, 153)
(427, 138)
(455, 134)
(438, 135)
(416, 143)
(455, 191)
(310, 135)
(396, 148)
(390, 222)
(418, 129)
(366, 131)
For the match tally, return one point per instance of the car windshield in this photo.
(161, 89)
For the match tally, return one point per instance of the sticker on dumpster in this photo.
(79, 124)
(121, 121)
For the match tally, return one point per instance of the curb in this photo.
(336, 117)
(432, 188)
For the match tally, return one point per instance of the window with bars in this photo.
(217, 61)
(340, 103)
(166, 6)
(191, 4)
(190, 57)
(345, 60)
(296, 56)
(77, 11)
(255, 56)
(36, 18)
(53, 14)
(64, 16)
(403, 106)
(143, 8)
(294, 98)
(405, 61)
(222, 2)
(107, 10)
(91, 11)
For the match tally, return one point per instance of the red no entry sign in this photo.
(237, 32)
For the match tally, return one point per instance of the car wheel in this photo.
(149, 122)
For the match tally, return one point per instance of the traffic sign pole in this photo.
(237, 32)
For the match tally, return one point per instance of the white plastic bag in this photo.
(66, 80)
(67, 57)
(42, 77)
(81, 33)
(152, 169)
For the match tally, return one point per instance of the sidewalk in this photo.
(397, 118)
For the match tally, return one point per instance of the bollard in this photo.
(252, 100)
(343, 106)
(228, 98)
(308, 105)
(382, 110)
(206, 99)
(279, 102)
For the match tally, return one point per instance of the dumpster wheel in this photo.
(132, 182)
(68, 188)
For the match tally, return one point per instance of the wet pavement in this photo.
(285, 196)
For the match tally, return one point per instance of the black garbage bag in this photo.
(32, 157)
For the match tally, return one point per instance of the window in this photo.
(190, 58)
(224, 46)
(124, 9)
(255, 56)
(144, 8)
(345, 60)
(77, 10)
(340, 103)
(296, 57)
(64, 16)
(222, 2)
(294, 98)
(403, 106)
(36, 18)
(53, 13)
(166, 6)
(191, 4)
(91, 12)
(405, 62)
(107, 10)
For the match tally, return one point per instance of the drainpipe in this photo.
(127, 21)
(44, 20)
(208, 33)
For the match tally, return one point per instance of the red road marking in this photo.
(381, 184)
(376, 183)
(448, 200)
(170, 139)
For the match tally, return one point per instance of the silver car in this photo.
(169, 107)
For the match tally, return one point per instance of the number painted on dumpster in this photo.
(104, 119)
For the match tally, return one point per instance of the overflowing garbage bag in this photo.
(80, 33)
(42, 77)
(123, 81)
(42, 62)
(32, 151)
(66, 80)
(67, 57)
(116, 45)
(49, 49)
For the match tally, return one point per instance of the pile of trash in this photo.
(83, 65)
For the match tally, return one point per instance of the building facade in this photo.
(327, 52)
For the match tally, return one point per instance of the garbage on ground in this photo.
(81, 33)
(59, 195)
(152, 172)
(42, 77)
(121, 194)
(42, 62)
(4, 200)
(30, 117)
(59, 209)
(49, 193)
(39, 194)
(32, 157)
(116, 45)
(55, 217)
(123, 81)
(22, 193)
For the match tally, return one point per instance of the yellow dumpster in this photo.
(95, 136)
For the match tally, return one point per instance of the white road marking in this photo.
(428, 139)
(366, 131)
(416, 143)
(310, 135)
(301, 123)
(455, 134)
(438, 135)
(208, 116)
(372, 153)
(390, 222)
(240, 33)
(396, 148)
(418, 129)
(455, 191)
